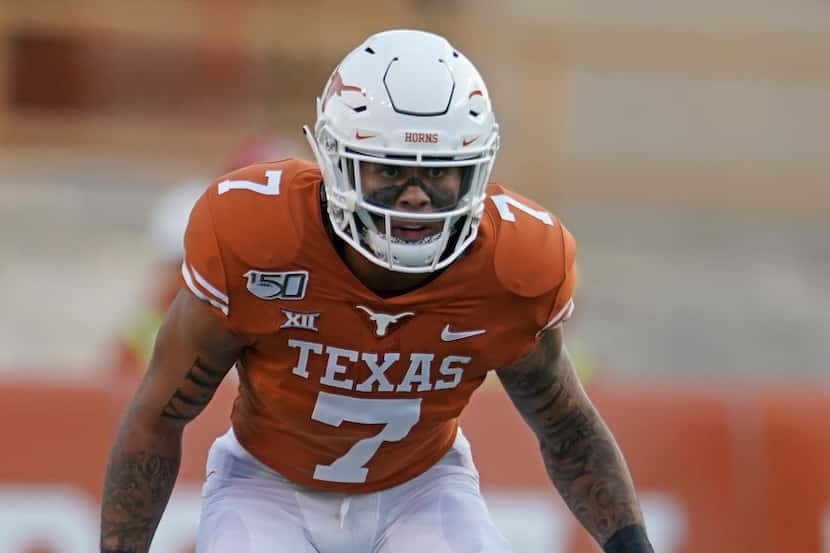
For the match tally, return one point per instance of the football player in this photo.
(363, 299)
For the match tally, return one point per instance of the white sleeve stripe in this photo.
(209, 287)
(563, 315)
(198, 293)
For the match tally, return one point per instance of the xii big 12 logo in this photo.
(290, 285)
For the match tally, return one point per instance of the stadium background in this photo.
(684, 144)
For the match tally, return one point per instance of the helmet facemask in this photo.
(367, 220)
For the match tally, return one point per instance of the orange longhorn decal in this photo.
(336, 86)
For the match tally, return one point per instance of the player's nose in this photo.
(413, 198)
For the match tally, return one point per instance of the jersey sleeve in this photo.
(534, 258)
(203, 271)
(247, 223)
(563, 304)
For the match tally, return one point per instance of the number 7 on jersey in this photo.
(270, 188)
(399, 416)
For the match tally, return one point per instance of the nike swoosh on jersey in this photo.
(448, 335)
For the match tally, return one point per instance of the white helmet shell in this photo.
(407, 98)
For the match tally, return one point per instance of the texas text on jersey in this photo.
(341, 389)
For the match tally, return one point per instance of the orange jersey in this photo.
(341, 389)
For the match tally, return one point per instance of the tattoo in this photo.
(136, 491)
(192, 397)
(579, 451)
(140, 478)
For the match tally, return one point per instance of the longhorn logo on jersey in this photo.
(277, 286)
(383, 320)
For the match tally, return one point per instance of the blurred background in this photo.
(685, 145)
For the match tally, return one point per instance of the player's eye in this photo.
(390, 171)
(435, 172)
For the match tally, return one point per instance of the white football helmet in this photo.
(404, 98)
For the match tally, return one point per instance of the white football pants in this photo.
(249, 508)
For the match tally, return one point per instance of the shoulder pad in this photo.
(259, 211)
(533, 251)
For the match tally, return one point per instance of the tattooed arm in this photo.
(580, 454)
(192, 355)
